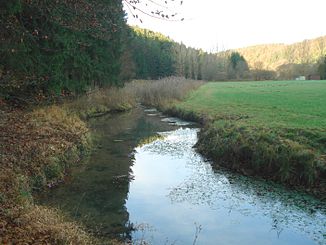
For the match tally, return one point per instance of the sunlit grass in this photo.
(287, 104)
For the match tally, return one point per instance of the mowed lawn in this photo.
(281, 104)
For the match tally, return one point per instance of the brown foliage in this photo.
(160, 93)
(101, 101)
(41, 225)
(29, 141)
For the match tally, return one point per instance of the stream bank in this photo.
(144, 182)
(279, 155)
(37, 149)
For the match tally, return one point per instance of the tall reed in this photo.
(163, 92)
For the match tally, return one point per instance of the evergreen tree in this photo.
(322, 69)
(60, 46)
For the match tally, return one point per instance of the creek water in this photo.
(144, 182)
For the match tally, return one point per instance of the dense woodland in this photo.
(52, 47)
(58, 47)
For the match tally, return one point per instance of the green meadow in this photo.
(286, 104)
(273, 129)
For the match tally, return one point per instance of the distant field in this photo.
(285, 104)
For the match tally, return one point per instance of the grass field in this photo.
(287, 104)
(275, 129)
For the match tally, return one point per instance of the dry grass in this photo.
(157, 93)
(42, 225)
(35, 150)
(31, 141)
(164, 92)
(103, 101)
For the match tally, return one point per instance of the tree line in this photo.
(153, 55)
(71, 46)
(62, 46)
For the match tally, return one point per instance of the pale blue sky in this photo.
(229, 24)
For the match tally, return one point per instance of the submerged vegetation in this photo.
(271, 129)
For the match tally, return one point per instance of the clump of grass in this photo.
(150, 139)
(164, 92)
(42, 225)
(102, 101)
(264, 152)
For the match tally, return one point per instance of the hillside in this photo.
(287, 60)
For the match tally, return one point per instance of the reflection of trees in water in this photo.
(220, 189)
(177, 144)
(96, 194)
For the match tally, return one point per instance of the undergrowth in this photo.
(102, 101)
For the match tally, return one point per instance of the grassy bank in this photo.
(36, 148)
(272, 129)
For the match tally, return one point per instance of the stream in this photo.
(145, 183)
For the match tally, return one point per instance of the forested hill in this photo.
(153, 55)
(302, 56)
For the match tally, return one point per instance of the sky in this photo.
(216, 25)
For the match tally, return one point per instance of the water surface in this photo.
(145, 182)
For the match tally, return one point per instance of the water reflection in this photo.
(96, 193)
(174, 188)
(144, 174)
